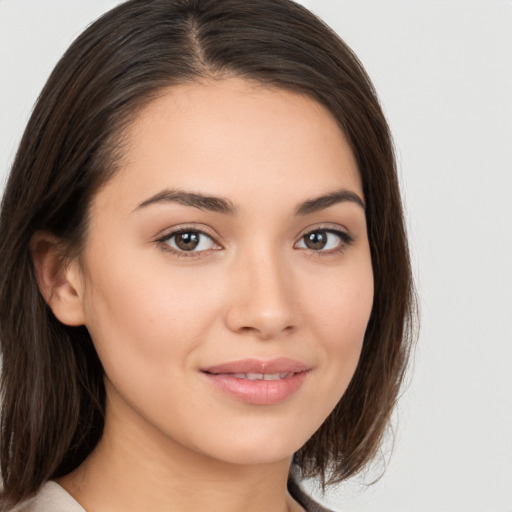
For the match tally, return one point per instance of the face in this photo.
(226, 278)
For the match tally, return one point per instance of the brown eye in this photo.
(189, 241)
(316, 240)
(324, 240)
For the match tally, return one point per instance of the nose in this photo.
(262, 299)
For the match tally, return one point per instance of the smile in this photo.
(258, 382)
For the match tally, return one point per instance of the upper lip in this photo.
(279, 365)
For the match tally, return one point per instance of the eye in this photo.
(188, 240)
(324, 240)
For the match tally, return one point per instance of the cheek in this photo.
(342, 303)
(340, 310)
(141, 314)
(147, 328)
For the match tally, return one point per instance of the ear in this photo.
(59, 279)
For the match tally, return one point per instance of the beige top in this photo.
(50, 498)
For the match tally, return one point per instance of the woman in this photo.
(204, 270)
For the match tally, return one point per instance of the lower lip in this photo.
(257, 392)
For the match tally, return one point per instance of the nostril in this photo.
(267, 332)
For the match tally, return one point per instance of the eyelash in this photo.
(345, 240)
(163, 242)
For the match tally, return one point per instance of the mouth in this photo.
(260, 376)
(258, 382)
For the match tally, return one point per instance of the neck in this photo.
(134, 469)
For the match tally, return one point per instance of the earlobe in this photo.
(58, 279)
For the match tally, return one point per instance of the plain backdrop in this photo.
(443, 70)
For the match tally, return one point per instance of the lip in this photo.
(279, 365)
(225, 378)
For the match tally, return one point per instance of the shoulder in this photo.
(50, 498)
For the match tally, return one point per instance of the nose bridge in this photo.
(262, 301)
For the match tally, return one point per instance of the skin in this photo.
(254, 290)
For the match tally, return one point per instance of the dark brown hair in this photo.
(53, 396)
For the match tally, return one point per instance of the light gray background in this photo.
(443, 69)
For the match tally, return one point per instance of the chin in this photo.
(253, 455)
(250, 447)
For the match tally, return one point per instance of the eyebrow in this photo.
(226, 207)
(322, 202)
(197, 200)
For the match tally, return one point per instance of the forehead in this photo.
(236, 138)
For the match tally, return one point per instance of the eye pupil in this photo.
(316, 240)
(187, 241)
